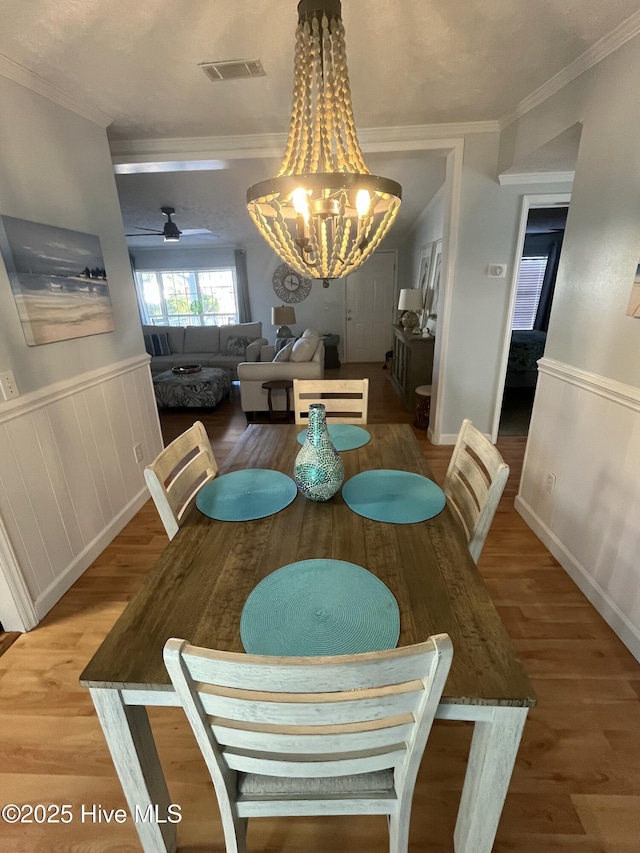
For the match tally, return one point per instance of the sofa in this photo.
(209, 346)
(254, 398)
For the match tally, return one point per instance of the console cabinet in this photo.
(412, 364)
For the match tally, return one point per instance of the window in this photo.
(188, 298)
(530, 279)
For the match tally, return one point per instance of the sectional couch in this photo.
(209, 346)
(254, 398)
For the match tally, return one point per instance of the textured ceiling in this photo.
(410, 62)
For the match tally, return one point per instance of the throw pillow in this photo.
(285, 352)
(305, 347)
(237, 346)
(157, 343)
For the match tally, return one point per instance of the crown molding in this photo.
(596, 53)
(372, 139)
(12, 71)
(511, 178)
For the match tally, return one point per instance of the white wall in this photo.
(71, 428)
(489, 217)
(586, 419)
(428, 227)
(55, 168)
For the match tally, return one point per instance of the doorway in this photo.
(540, 246)
(370, 309)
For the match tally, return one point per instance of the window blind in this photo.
(530, 279)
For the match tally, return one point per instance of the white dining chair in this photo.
(475, 480)
(346, 401)
(177, 474)
(311, 736)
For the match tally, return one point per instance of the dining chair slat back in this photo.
(474, 483)
(346, 400)
(311, 736)
(177, 474)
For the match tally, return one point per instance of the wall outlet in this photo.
(497, 270)
(137, 452)
(8, 385)
(551, 482)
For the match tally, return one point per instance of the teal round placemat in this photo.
(246, 495)
(319, 607)
(343, 436)
(399, 497)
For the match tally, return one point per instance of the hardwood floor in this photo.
(576, 786)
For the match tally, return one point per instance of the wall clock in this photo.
(289, 285)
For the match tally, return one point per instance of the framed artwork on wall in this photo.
(58, 280)
(433, 288)
(633, 309)
(424, 271)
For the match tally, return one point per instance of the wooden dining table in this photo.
(198, 587)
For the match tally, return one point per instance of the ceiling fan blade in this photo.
(193, 231)
(148, 230)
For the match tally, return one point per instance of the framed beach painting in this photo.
(633, 309)
(58, 279)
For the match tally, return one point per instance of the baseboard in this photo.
(52, 594)
(449, 437)
(444, 438)
(606, 607)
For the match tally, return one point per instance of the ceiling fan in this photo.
(170, 232)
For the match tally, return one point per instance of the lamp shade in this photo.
(410, 300)
(282, 315)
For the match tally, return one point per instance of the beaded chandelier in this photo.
(324, 214)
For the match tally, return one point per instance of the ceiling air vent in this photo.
(235, 69)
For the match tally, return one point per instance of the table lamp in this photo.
(410, 302)
(281, 315)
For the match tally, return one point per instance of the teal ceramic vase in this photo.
(318, 470)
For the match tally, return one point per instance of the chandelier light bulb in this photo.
(363, 202)
(324, 214)
(300, 201)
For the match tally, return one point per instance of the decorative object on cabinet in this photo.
(289, 285)
(281, 316)
(324, 214)
(411, 303)
(412, 364)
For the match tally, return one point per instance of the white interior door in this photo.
(370, 309)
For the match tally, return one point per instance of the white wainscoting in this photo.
(585, 429)
(69, 481)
